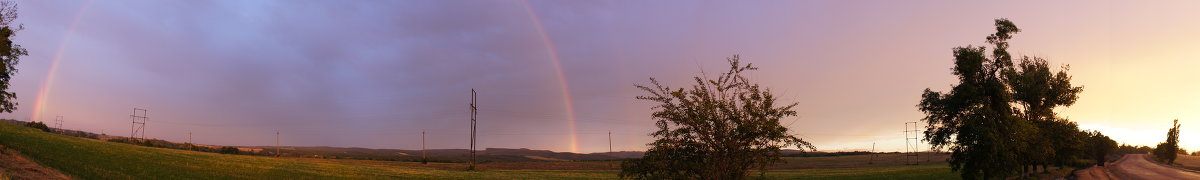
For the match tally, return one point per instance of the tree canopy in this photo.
(717, 129)
(1166, 151)
(1000, 116)
(10, 54)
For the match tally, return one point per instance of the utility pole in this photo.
(276, 143)
(911, 141)
(474, 113)
(424, 160)
(610, 141)
(58, 123)
(138, 127)
(872, 153)
(189, 137)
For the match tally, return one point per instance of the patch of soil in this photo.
(16, 166)
(1094, 173)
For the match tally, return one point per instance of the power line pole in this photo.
(872, 153)
(610, 141)
(277, 144)
(424, 160)
(189, 137)
(911, 141)
(58, 123)
(138, 127)
(474, 113)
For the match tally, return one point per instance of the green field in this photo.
(92, 159)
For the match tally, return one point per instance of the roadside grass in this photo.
(854, 161)
(928, 171)
(1188, 162)
(84, 158)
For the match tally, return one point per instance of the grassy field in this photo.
(1187, 161)
(855, 161)
(92, 159)
(929, 171)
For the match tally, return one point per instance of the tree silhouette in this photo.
(990, 120)
(1038, 90)
(10, 54)
(975, 120)
(718, 129)
(1100, 146)
(1166, 151)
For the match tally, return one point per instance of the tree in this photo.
(10, 54)
(1166, 151)
(1038, 90)
(229, 150)
(1066, 140)
(38, 125)
(1099, 146)
(976, 119)
(718, 129)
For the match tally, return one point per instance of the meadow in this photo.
(83, 158)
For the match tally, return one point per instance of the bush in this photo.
(38, 125)
(228, 150)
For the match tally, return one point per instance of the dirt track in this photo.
(1139, 166)
(15, 166)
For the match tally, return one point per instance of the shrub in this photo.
(38, 125)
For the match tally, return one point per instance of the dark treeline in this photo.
(1131, 149)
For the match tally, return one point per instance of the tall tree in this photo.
(1039, 90)
(718, 129)
(1099, 146)
(976, 120)
(10, 54)
(1166, 151)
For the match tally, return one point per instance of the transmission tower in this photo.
(58, 123)
(139, 123)
(474, 113)
(911, 141)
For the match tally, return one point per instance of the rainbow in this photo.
(562, 77)
(48, 83)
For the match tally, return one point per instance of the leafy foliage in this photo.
(228, 150)
(1099, 146)
(38, 125)
(10, 55)
(1000, 117)
(975, 120)
(718, 129)
(1166, 151)
(1130, 149)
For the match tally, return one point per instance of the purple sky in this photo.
(376, 73)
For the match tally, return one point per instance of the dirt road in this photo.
(1139, 166)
